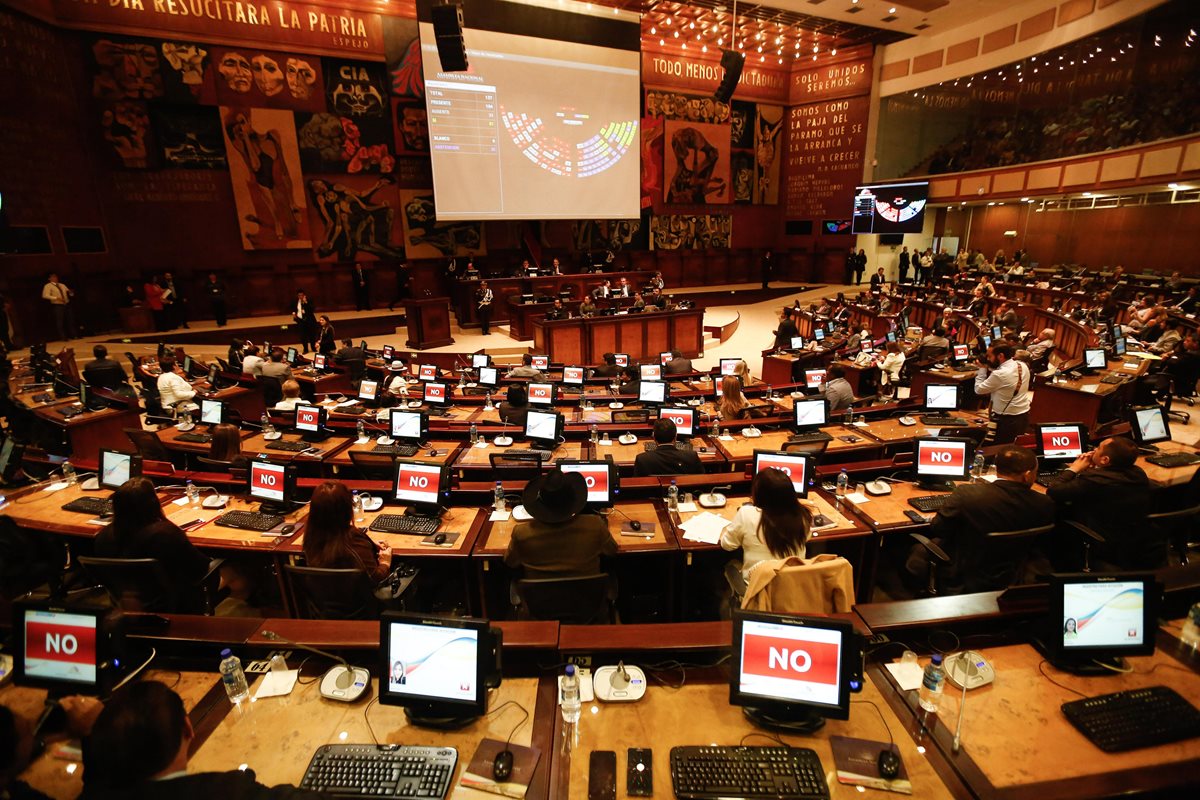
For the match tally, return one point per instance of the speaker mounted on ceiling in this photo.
(448, 31)
(732, 62)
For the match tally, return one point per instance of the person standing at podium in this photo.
(483, 307)
(306, 321)
(215, 290)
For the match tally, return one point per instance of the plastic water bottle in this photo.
(193, 494)
(232, 676)
(932, 684)
(673, 497)
(849, 415)
(68, 470)
(360, 429)
(1191, 628)
(266, 423)
(715, 430)
(474, 433)
(356, 503)
(595, 434)
(487, 404)
(977, 468)
(498, 501)
(770, 392)
(843, 484)
(571, 706)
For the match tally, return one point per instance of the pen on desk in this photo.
(193, 524)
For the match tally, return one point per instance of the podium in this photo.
(428, 323)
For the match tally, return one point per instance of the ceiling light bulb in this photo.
(652, 30)
(833, 52)
(892, 10)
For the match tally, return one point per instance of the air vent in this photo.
(921, 27)
(890, 18)
(853, 10)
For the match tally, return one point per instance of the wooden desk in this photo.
(479, 457)
(624, 455)
(817, 503)
(209, 535)
(247, 402)
(890, 431)
(497, 535)
(463, 300)
(888, 511)
(965, 381)
(256, 445)
(466, 522)
(169, 436)
(447, 451)
(642, 336)
(92, 431)
(1162, 477)
(1087, 399)
(740, 449)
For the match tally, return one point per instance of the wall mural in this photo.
(766, 151)
(189, 137)
(125, 125)
(425, 237)
(264, 167)
(125, 69)
(354, 216)
(356, 88)
(652, 161)
(333, 143)
(412, 127)
(690, 231)
(696, 163)
(186, 69)
(402, 48)
(266, 79)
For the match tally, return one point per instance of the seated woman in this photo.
(515, 407)
(139, 529)
(889, 369)
(226, 445)
(733, 403)
(774, 524)
(331, 541)
(395, 383)
(291, 396)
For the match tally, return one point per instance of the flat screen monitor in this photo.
(67, 649)
(819, 334)
(271, 483)
(480, 360)
(985, 341)
(319, 361)
(601, 477)
(653, 392)
(488, 376)
(942, 459)
(409, 426)
(810, 414)
(116, 468)
(996, 332)
(961, 352)
(797, 342)
(651, 372)
(540, 362)
(941, 397)
(664, 357)
(730, 366)
(1119, 346)
(310, 419)
(796, 467)
(813, 378)
(367, 390)
(1095, 358)
(865, 346)
(421, 484)
(543, 427)
(621, 359)
(292, 355)
(541, 394)
(573, 376)
(789, 670)
(1100, 617)
(1149, 424)
(214, 374)
(683, 417)
(212, 412)
(187, 366)
(387, 353)
(9, 464)
(437, 394)
(1061, 441)
(890, 336)
(436, 667)
(428, 372)
(362, 345)
(889, 208)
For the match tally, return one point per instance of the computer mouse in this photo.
(634, 525)
(439, 538)
(286, 529)
(502, 766)
(889, 764)
(433, 453)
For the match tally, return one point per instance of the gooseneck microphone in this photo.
(342, 681)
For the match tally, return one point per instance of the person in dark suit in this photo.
(326, 342)
(362, 287)
(975, 509)
(860, 266)
(350, 352)
(666, 459)
(767, 268)
(560, 541)
(214, 289)
(905, 260)
(103, 371)
(631, 381)
(235, 354)
(608, 369)
(306, 321)
(878, 281)
(483, 306)
(678, 365)
(786, 330)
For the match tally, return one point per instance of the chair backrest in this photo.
(823, 585)
(812, 449)
(631, 415)
(271, 388)
(148, 445)
(332, 593)
(357, 369)
(135, 584)
(215, 464)
(373, 466)
(517, 465)
(572, 601)
(1002, 558)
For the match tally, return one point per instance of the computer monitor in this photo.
(652, 392)
(543, 428)
(730, 366)
(941, 397)
(368, 390)
(437, 394)
(480, 360)
(602, 479)
(810, 414)
(960, 352)
(10, 458)
(66, 648)
(985, 342)
(116, 468)
(866, 346)
(621, 359)
(813, 378)
(1149, 424)
(273, 485)
(212, 412)
(310, 421)
(830, 327)
(387, 352)
(651, 372)
(362, 345)
(890, 336)
(1097, 619)
(291, 356)
(797, 342)
(1094, 358)
(488, 376)
(996, 332)
(1061, 442)
(1119, 346)
(683, 417)
(423, 486)
(573, 376)
(795, 466)
(540, 362)
(187, 366)
(664, 357)
(940, 460)
(409, 426)
(427, 372)
(438, 668)
(319, 362)
(541, 394)
(214, 375)
(793, 673)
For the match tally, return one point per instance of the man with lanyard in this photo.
(1007, 381)
(59, 297)
(484, 297)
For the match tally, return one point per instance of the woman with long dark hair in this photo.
(775, 524)
(331, 540)
(226, 445)
(733, 403)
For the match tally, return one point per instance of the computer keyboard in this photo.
(809, 436)
(700, 773)
(545, 455)
(1134, 718)
(249, 520)
(289, 446)
(398, 772)
(95, 506)
(1170, 460)
(198, 438)
(929, 502)
(678, 446)
(398, 523)
(935, 421)
(1047, 478)
(401, 450)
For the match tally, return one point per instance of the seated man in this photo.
(557, 311)
(291, 396)
(1108, 492)
(526, 370)
(350, 352)
(608, 369)
(139, 746)
(667, 459)
(836, 389)
(678, 365)
(559, 542)
(1040, 350)
(173, 387)
(975, 509)
(103, 371)
(275, 368)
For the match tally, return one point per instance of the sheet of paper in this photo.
(482, 443)
(605, 442)
(277, 684)
(705, 527)
(56, 486)
(858, 498)
(500, 516)
(907, 675)
(1091, 387)
(725, 437)
(685, 508)
(182, 501)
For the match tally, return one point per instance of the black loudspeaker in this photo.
(732, 62)
(448, 30)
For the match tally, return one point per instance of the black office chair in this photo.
(1160, 388)
(357, 370)
(571, 601)
(332, 593)
(28, 561)
(141, 584)
(214, 464)
(1000, 563)
(373, 466)
(1177, 528)
(148, 445)
(517, 465)
(271, 388)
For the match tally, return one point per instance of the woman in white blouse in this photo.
(775, 524)
(889, 369)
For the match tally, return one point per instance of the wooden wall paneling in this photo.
(602, 338)
(657, 337)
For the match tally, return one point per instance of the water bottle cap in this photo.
(570, 669)
(936, 659)
(226, 653)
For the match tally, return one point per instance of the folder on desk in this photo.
(479, 774)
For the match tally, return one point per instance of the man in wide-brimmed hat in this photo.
(559, 542)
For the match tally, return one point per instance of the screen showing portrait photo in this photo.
(546, 122)
(1103, 614)
(418, 484)
(789, 663)
(211, 411)
(652, 392)
(435, 663)
(542, 426)
(407, 425)
(890, 208)
(267, 481)
(1119, 346)
(819, 334)
(60, 646)
(684, 419)
(811, 413)
(115, 468)
(941, 397)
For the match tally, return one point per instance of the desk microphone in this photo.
(962, 704)
(342, 682)
(503, 440)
